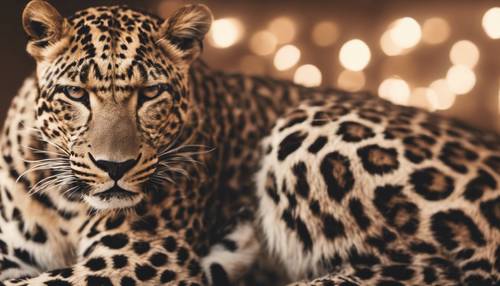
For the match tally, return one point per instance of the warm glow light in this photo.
(351, 80)
(307, 75)
(491, 23)
(251, 64)
(225, 32)
(388, 46)
(405, 32)
(325, 33)
(286, 57)
(283, 28)
(464, 53)
(440, 97)
(355, 55)
(460, 79)
(395, 90)
(263, 43)
(420, 98)
(435, 31)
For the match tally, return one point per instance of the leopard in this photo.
(126, 160)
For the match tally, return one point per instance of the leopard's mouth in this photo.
(115, 192)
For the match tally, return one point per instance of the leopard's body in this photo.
(125, 161)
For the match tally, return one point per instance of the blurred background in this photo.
(443, 55)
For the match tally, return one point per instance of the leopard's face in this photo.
(113, 93)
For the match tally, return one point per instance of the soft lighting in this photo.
(460, 79)
(491, 23)
(355, 55)
(388, 46)
(440, 97)
(395, 90)
(263, 43)
(283, 28)
(351, 80)
(464, 53)
(435, 31)
(307, 75)
(325, 33)
(420, 98)
(405, 32)
(286, 57)
(225, 32)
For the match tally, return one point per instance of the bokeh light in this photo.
(464, 52)
(460, 79)
(355, 55)
(351, 80)
(395, 90)
(389, 47)
(405, 32)
(307, 75)
(225, 32)
(283, 28)
(420, 98)
(435, 31)
(286, 57)
(325, 33)
(263, 43)
(440, 97)
(491, 23)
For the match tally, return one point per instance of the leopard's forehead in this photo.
(113, 47)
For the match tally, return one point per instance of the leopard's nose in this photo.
(115, 170)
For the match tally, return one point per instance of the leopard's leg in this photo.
(127, 249)
(232, 256)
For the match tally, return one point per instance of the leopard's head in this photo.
(113, 92)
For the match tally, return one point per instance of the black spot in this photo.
(229, 244)
(447, 227)
(432, 184)
(482, 264)
(301, 185)
(332, 228)
(396, 208)
(304, 234)
(194, 268)
(96, 264)
(158, 259)
(170, 244)
(219, 275)
(115, 221)
(167, 276)
(182, 255)
(291, 143)
(354, 132)
(494, 163)
(93, 280)
(40, 235)
(430, 275)
(491, 211)
(147, 223)
(271, 187)
(336, 172)
(288, 219)
(378, 160)
(362, 259)
(457, 156)
(293, 121)
(423, 247)
(318, 144)
(127, 281)
(57, 282)
(398, 272)
(477, 186)
(115, 241)
(141, 247)
(357, 210)
(144, 272)
(119, 261)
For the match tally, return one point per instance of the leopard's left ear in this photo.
(44, 26)
(182, 34)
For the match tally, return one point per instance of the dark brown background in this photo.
(366, 19)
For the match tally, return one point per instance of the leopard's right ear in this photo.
(43, 24)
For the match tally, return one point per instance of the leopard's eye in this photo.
(153, 91)
(74, 92)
